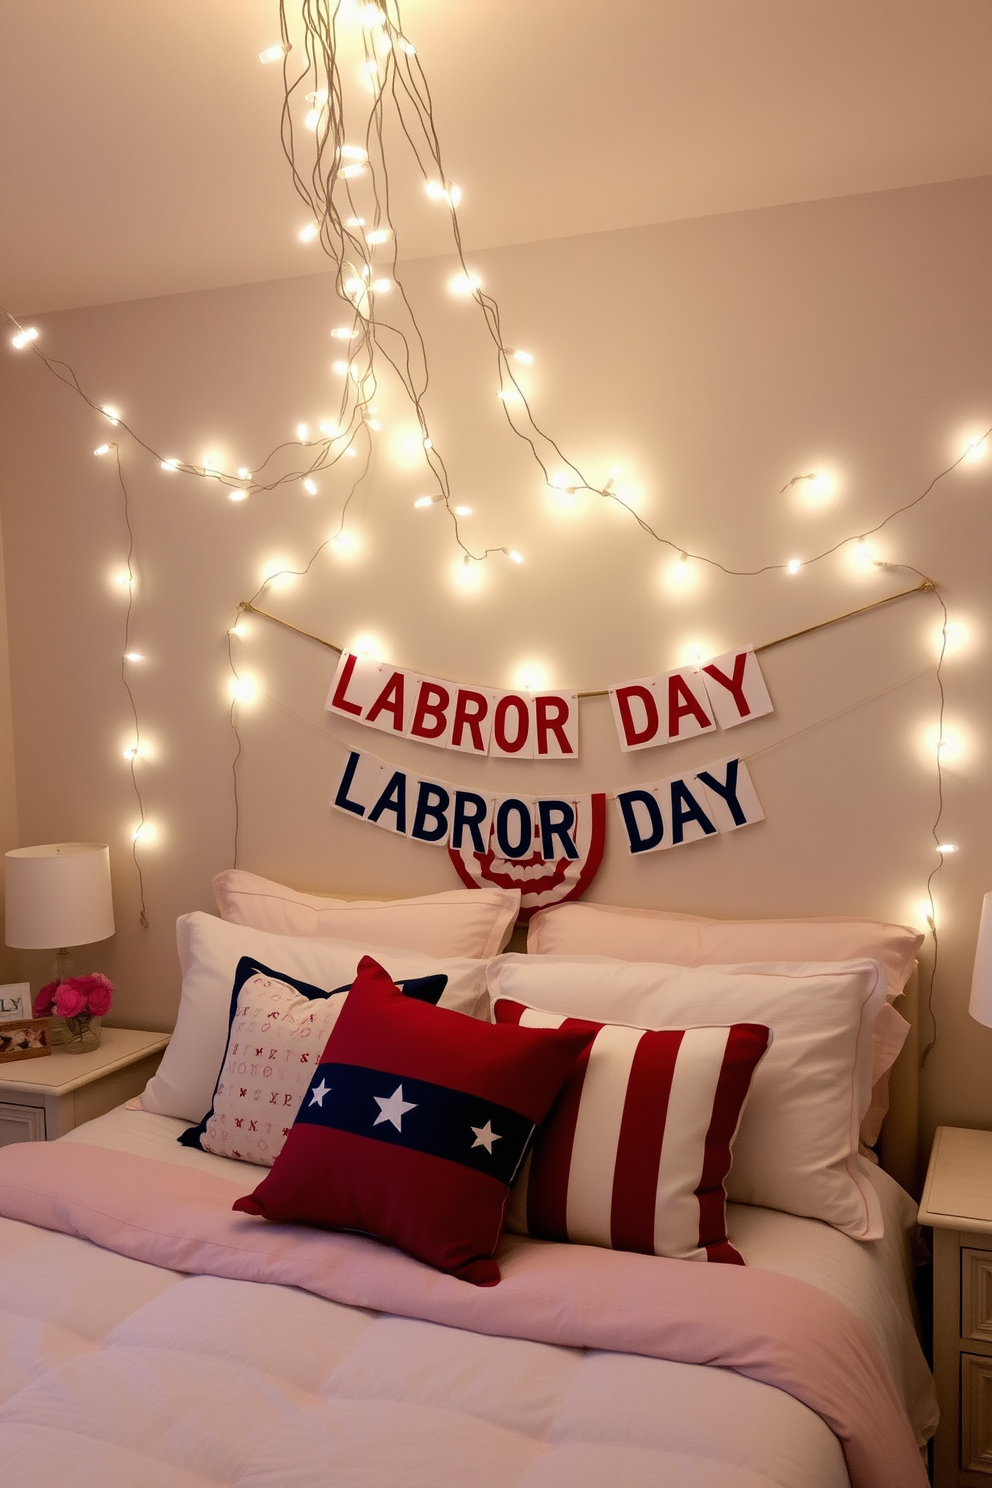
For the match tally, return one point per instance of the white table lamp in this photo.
(57, 896)
(980, 1006)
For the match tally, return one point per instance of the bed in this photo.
(147, 1341)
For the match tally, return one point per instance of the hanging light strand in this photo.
(126, 655)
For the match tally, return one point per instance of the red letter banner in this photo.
(692, 700)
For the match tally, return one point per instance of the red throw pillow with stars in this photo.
(414, 1125)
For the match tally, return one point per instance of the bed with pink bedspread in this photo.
(154, 1338)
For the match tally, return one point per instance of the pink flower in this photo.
(85, 994)
(69, 1001)
(45, 1000)
(100, 993)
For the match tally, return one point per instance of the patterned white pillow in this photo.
(277, 1033)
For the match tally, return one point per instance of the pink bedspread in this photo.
(771, 1328)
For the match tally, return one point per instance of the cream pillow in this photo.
(582, 929)
(459, 922)
(209, 952)
(692, 940)
(797, 1146)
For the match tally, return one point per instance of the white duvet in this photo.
(117, 1374)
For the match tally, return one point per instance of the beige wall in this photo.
(712, 360)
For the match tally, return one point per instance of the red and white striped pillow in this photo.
(634, 1152)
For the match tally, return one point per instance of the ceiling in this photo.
(139, 150)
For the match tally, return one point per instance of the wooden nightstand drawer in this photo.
(976, 1413)
(21, 1123)
(976, 1295)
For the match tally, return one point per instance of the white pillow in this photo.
(209, 952)
(797, 1146)
(459, 922)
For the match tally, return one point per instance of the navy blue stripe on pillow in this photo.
(417, 1114)
(424, 989)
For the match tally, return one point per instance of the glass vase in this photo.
(82, 1035)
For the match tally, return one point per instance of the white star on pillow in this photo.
(393, 1108)
(485, 1137)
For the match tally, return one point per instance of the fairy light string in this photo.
(346, 189)
(132, 754)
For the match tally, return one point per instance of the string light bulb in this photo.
(946, 847)
(134, 656)
(463, 511)
(279, 573)
(308, 233)
(244, 473)
(380, 235)
(514, 556)
(303, 432)
(143, 832)
(355, 222)
(238, 494)
(274, 53)
(468, 574)
(112, 414)
(172, 465)
(244, 689)
(343, 333)
(368, 645)
(371, 15)
(341, 368)
(437, 192)
(24, 338)
(381, 286)
(793, 566)
(530, 677)
(102, 449)
(465, 284)
(977, 449)
(523, 357)
(355, 169)
(423, 502)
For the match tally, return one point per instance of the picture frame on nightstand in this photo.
(24, 1038)
(15, 1001)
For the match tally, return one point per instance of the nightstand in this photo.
(42, 1098)
(957, 1202)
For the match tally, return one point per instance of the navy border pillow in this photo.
(428, 989)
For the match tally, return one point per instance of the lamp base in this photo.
(62, 969)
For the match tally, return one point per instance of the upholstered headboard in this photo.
(899, 1144)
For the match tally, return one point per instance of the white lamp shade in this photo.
(980, 1007)
(58, 895)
